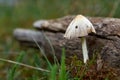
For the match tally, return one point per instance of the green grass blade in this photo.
(37, 60)
(53, 73)
(63, 73)
(12, 71)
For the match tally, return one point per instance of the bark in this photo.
(105, 42)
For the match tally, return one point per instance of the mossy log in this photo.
(49, 36)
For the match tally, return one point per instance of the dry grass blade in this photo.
(42, 51)
(25, 65)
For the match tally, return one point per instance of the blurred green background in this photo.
(22, 13)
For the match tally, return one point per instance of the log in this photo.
(105, 42)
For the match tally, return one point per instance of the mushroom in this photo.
(79, 28)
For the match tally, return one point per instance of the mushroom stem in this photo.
(84, 49)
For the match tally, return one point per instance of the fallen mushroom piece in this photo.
(79, 28)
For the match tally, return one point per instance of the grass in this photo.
(54, 69)
(63, 73)
(12, 72)
(76, 70)
(23, 15)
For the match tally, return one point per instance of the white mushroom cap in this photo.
(79, 27)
